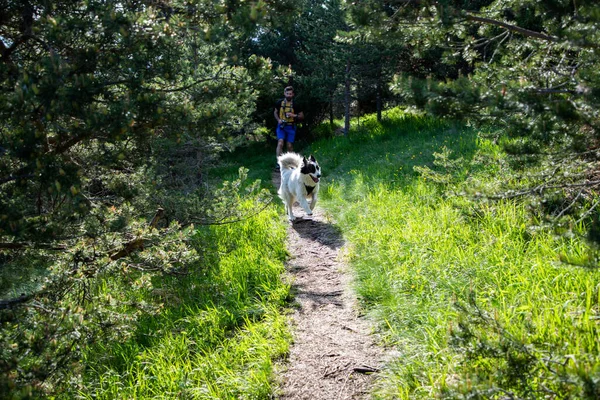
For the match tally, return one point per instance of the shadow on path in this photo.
(325, 233)
(334, 354)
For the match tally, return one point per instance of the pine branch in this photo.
(225, 221)
(540, 189)
(4, 304)
(24, 245)
(513, 28)
(137, 243)
(126, 250)
(16, 176)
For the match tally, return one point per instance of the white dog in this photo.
(299, 180)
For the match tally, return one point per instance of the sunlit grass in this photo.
(472, 293)
(221, 330)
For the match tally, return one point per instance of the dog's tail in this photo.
(289, 161)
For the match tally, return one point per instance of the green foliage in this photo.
(101, 96)
(114, 111)
(480, 298)
(105, 296)
(448, 168)
(219, 331)
(532, 66)
(529, 67)
(111, 112)
(301, 45)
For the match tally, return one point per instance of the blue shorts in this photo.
(287, 133)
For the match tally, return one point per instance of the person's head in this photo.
(288, 92)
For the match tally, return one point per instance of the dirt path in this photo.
(334, 355)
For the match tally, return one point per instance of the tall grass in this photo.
(471, 292)
(221, 328)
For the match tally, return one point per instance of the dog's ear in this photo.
(312, 158)
(304, 160)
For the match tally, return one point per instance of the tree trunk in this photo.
(379, 94)
(331, 110)
(347, 99)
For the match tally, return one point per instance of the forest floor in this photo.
(334, 354)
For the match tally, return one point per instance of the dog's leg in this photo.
(291, 216)
(304, 204)
(313, 201)
(289, 202)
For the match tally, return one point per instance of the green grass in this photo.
(221, 328)
(472, 293)
(259, 157)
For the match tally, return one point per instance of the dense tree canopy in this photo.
(527, 61)
(90, 88)
(529, 67)
(109, 113)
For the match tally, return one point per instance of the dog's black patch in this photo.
(309, 189)
(309, 166)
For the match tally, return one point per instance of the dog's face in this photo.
(311, 167)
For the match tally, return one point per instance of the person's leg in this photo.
(280, 139)
(290, 131)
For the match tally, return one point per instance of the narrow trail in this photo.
(334, 354)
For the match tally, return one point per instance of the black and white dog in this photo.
(299, 179)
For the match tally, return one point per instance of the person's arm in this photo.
(276, 115)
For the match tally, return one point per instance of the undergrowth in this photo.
(188, 311)
(220, 330)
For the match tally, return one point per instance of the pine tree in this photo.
(528, 66)
(109, 112)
